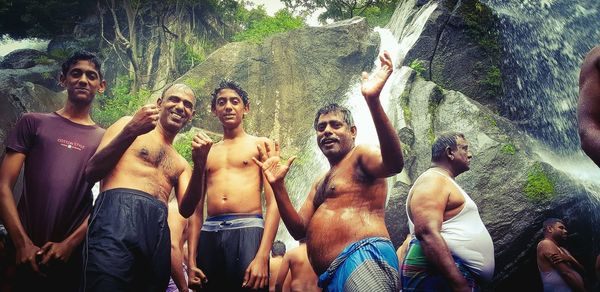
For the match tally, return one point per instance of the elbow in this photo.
(185, 212)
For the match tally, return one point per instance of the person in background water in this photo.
(450, 250)
(342, 218)
(296, 273)
(277, 254)
(558, 269)
(48, 225)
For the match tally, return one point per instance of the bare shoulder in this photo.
(546, 246)
(428, 181)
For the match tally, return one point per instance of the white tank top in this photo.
(466, 236)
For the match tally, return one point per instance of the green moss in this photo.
(404, 99)
(481, 22)
(490, 120)
(417, 65)
(539, 186)
(493, 77)
(43, 60)
(508, 149)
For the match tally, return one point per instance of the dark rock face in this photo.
(459, 50)
(513, 187)
(288, 77)
(23, 59)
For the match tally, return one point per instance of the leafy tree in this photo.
(342, 9)
(261, 28)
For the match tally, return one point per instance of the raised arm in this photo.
(426, 208)
(388, 160)
(190, 189)
(588, 109)
(275, 173)
(9, 172)
(117, 139)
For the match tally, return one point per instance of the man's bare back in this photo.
(147, 165)
(234, 183)
(352, 208)
(303, 276)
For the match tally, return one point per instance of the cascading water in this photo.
(397, 38)
(544, 42)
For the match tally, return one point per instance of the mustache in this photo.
(328, 138)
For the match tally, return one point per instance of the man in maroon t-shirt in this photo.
(50, 221)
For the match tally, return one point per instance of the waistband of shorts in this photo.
(232, 221)
(132, 192)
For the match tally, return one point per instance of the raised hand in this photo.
(143, 121)
(372, 85)
(270, 163)
(201, 145)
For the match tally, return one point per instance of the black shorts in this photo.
(228, 243)
(128, 244)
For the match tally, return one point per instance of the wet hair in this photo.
(335, 108)
(550, 222)
(278, 248)
(446, 139)
(229, 84)
(81, 56)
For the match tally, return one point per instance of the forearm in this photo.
(573, 279)
(194, 229)
(437, 253)
(177, 268)
(79, 234)
(194, 192)
(389, 142)
(292, 220)
(10, 217)
(271, 226)
(107, 158)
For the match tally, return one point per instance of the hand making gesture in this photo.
(270, 163)
(201, 145)
(372, 85)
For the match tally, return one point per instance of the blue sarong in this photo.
(368, 265)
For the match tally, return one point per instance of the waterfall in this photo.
(397, 38)
(544, 43)
(8, 44)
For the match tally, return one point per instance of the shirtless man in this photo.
(230, 251)
(128, 242)
(451, 249)
(343, 215)
(588, 110)
(558, 269)
(277, 254)
(296, 269)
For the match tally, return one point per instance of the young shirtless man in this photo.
(296, 272)
(230, 251)
(343, 216)
(128, 244)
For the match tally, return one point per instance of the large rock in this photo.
(459, 50)
(514, 188)
(24, 58)
(288, 77)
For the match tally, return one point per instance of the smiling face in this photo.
(82, 81)
(334, 136)
(559, 231)
(229, 108)
(176, 107)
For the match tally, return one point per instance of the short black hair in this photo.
(334, 107)
(550, 222)
(81, 56)
(446, 139)
(229, 84)
(278, 248)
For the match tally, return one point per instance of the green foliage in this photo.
(187, 56)
(377, 12)
(493, 77)
(404, 99)
(509, 149)
(417, 65)
(42, 18)
(261, 28)
(490, 120)
(183, 145)
(43, 60)
(538, 186)
(378, 15)
(108, 108)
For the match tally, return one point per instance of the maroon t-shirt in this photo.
(56, 197)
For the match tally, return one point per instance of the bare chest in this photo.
(159, 159)
(232, 158)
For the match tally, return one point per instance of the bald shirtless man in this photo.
(296, 268)
(343, 216)
(128, 244)
(230, 251)
(588, 110)
(450, 250)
